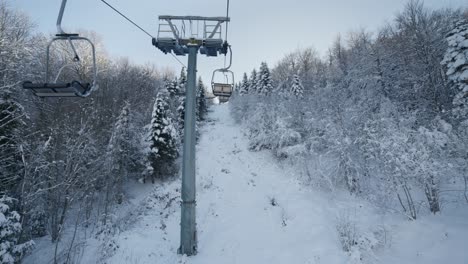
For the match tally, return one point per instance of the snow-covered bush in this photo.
(358, 245)
(260, 125)
(11, 249)
(38, 222)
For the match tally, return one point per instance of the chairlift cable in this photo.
(129, 20)
(181, 63)
(136, 25)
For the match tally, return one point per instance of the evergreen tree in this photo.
(163, 139)
(201, 101)
(120, 151)
(11, 250)
(244, 86)
(168, 85)
(173, 88)
(182, 81)
(253, 82)
(181, 116)
(456, 60)
(297, 89)
(264, 83)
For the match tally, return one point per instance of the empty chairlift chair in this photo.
(223, 90)
(74, 88)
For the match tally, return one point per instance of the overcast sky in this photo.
(261, 30)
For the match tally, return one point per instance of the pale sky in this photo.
(260, 30)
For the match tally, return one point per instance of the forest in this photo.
(383, 115)
(62, 154)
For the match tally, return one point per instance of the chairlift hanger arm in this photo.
(230, 57)
(60, 16)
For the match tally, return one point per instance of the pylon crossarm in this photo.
(174, 35)
(195, 18)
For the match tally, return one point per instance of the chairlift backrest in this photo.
(220, 89)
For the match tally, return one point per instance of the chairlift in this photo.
(223, 90)
(74, 88)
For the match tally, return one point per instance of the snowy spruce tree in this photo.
(182, 80)
(122, 152)
(244, 86)
(201, 101)
(168, 84)
(253, 82)
(173, 87)
(297, 89)
(181, 116)
(163, 139)
(456, 60)
(11, 249)
(264, 82)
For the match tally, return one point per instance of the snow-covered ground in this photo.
(250, 209)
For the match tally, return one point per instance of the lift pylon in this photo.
(187, 35)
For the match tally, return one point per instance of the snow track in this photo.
(248, 210)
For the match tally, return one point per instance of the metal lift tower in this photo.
(188, 35)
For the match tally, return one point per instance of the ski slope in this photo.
(251, 210)
(248, 210)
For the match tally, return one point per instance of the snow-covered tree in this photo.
(283, 90)
(15, 56)
(122, 152)
(264, 82)
(297, 89)
(202, 107)
(163, 139)
(181, 116)
(182, 80)
(168, 85)
(173, 88)
(253, 82)
(11, 114)
(11, 250)
(456, 60)
(244, 86)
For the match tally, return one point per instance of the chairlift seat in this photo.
(223, 99)
(72, 89)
